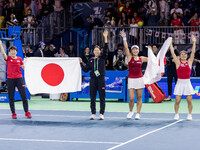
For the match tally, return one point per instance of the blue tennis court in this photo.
(72, 130)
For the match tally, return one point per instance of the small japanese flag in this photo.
(197, 34)
(150, 32)
(183, 36)
(189, 35)
(157, 34)
(163, 35)
(176, 36)
(170, 35)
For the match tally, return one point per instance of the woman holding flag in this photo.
(135, 77)
(14, 75)
(183, 85)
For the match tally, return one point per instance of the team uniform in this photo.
(183, 85)
(135, 77)
(15, 79)
(97, 79)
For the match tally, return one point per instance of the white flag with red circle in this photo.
(189, 35)
(183, 36)
(176, 36)
(197, 34)
(157, 34)
(163, 35)
(150, 32)
(52, 75)
(170, 35)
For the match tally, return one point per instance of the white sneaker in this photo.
(92, 117)
(101, 117)
(189, 117)
(137, 116)
(129, 115)
(176, 117)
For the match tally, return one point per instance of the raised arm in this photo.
(127, 52)
(105, 49)
(2, 51)
(190, 60)
(175, 58)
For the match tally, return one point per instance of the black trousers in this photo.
(171, 73)
(97, 84)
(19, 83)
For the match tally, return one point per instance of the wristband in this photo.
(124, 38)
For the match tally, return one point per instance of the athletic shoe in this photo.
(167, 99)
(101, 117)
(14, 116)
(176, 117)
(189, 117)
(129, 115)
(92, 117)
(137, 116)
(28, 115)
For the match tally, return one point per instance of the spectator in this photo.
(143, 12)
(155, 49)
(120, 61)
(177, 10)
(72, 52)
(29, 52)
(96, 22)
(123, 21)
(197, 59)
(164, 13)
(47, 8)
(186, 17)
(57, 6)
(13, 21)
(19, 7)
(34, 8)
(40, 51)
(63, 52)
(29, 22)
(133, 32)
(111, 9)
(152, 18)
(137, 19)
(8, 8)
(194, 21)
(119, 46)
(50, 51)
(177, 22)
(86, 56)
(153, 5)
(127, 9)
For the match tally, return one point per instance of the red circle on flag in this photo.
(52, 74)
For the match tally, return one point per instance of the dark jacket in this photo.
(86, 58)
(101, 63)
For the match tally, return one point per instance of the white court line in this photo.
(70, 116)
(141, 136)
(58, 141)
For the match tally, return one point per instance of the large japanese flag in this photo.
(155, 66)
(52, 75)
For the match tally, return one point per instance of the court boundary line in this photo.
(106, 111)
(58, 141)
(143, 135)
(72, 116)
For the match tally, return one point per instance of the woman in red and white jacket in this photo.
(135, 77)
(183, 85)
